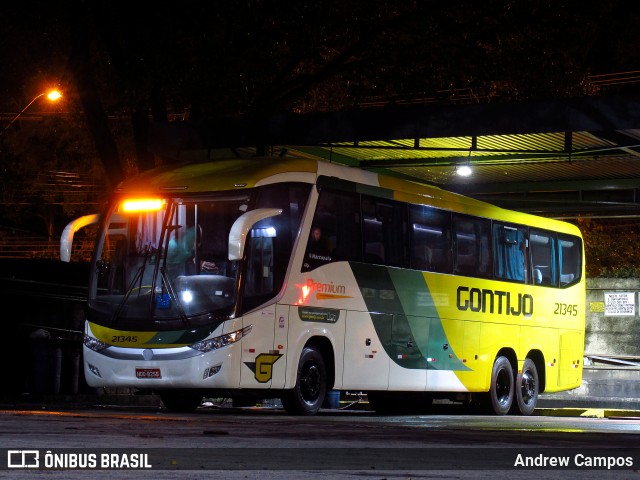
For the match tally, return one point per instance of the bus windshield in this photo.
(167, 262)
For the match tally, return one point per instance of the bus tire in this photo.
(502, 386)
(527, 388)
(307, 396)
(181, 401)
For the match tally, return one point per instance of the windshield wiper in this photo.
(162, 268)
(138, 277)
(166, 282)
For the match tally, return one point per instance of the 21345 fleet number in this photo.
(124, 338)
(566, 309)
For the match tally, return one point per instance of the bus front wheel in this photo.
(502, 386)
(311, 384)
(527, 388)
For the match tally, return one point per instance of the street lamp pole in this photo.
(53, 95)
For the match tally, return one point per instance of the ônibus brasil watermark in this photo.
(35, 459)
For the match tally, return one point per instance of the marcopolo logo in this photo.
(23, 459)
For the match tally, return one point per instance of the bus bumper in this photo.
(162, 368)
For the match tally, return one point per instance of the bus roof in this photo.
(238, 174)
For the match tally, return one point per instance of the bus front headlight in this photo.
(94, 344)
(221, 341)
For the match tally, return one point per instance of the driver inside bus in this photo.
(206, 266)
(317, 251)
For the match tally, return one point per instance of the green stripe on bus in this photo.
(410, 330)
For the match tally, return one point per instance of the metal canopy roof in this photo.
(559, 158)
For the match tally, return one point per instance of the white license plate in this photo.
(148, 373)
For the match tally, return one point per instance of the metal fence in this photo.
(42, 247)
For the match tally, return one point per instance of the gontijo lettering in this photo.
(494, 301)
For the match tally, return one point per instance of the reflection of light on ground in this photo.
(93, 415)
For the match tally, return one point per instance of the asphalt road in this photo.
(268, 443)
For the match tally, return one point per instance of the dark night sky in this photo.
(304, 56)
(120, 64)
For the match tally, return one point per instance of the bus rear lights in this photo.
(221, 341)
(211, 371)
(94, 344)
(93, 369)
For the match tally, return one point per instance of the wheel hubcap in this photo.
(503, 387)
(310, 383)
(528, 387)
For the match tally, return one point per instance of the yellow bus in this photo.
(275, 278)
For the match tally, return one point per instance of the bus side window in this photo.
(384, 232)
(268, 247)
(347, 237)
(472, 246)
(569, 259)
(543, 248)
(259, 279)
(372, 237)
(509, 247)
(338, 218)
(430, 231)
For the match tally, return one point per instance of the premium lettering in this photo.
(325, 287)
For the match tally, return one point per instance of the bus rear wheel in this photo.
(502, 386)
(527, 388)
(181, 401)
(307, 396)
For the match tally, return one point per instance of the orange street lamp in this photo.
(52, 95)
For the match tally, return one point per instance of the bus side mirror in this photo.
(117, 226)
(66, 239)
(242, 226)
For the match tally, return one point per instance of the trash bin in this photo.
(46, 363)
(332, 400)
